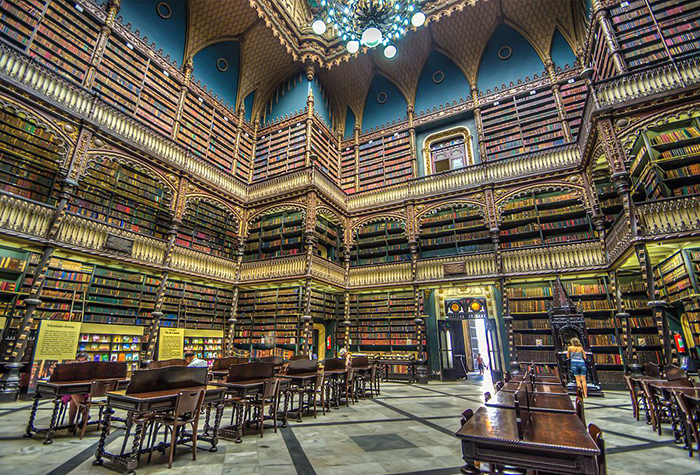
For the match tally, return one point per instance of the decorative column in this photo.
(601, 16)
(620, 319)
(309, 115)
(656, 304)
(237, 144)
(356, 146)
(256, 126)
(113, 7)
(556, 90)
(306, 319)
(346, 308)
(479, 123)
(410, 113)
(187, 74)
(240, 249)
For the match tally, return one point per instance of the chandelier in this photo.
(370, 23)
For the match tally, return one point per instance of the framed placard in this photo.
(118, 244)
(171, 343)
(454, 268)
(466, 308)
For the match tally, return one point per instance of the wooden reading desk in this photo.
(539, 402)
(66, 380)
(539, 379)
(551, 442)
(554, 389)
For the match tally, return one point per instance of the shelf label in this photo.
(118, 244)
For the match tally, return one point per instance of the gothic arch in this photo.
(193, 198)
(554, 186)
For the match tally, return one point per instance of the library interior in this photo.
(357, 237)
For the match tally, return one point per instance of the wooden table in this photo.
(47, 389)
(333, 394)
(155, 401)
(556, 389)
(539, 402)
(518, 378)
(553, 442)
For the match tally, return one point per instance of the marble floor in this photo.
(407, 430)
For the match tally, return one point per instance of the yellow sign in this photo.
(171, 343)
(58, 340)
(3, 322)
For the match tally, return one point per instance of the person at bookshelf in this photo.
(74, 400)
(194, 362)
(578, 364)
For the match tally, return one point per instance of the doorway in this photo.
(462, 341)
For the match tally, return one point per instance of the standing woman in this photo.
(578, 364)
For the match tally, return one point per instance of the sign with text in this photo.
(171, 343)
(466, 308)
(58, 340)
(454, 268)
(119, 244)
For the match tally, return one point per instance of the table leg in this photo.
(239, 408)
(106, 418)
(287, 394)
(54, 420)
(32, 415)
(218, 414)
(133, 459)
(470, 468)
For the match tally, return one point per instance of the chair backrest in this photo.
(498, 386)
(170, 377)
(89, 371)
(248, 371)
(597, 436)
(359, 361)
(276, 360)
(522, 411)
(298, 357)
(320, 378)
(580, 411)
(189, 402)
(487, 396)
(302, 366)
(270, 389)
(674, 373)
(466, 415)
(100, 387)
(333, 364)
(223, 364)
(652, 369)
(166, 363)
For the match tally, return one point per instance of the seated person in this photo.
(76, 399)
(194, 362)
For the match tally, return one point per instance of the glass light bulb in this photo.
(418, 19)
(372, 36)
(353, 46)
(390, 51)
(319, 27)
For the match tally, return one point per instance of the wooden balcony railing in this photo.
(327, 270)
(24, 217)
(618, 237)
(201, 263)
(379, 275)
(280, 267)
(476, 266)
(579, 256)
(670, 216)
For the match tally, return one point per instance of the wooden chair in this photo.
(691, 408)
(662, 409)
(687, 419)
(320, 392)
(466, 415)
(580, 412)
(498, 386)
(487, 396)
(636, 395)
(349, 389)
(268, 398)
(98, 389)
(597, 436)
(187, 409)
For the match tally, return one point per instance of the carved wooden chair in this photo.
(268, 398)
(637, 397)
(597, 436)
(98, 389)
(187, 409)
(487, 396)
(580, 411)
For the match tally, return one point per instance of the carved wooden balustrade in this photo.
(382, 274)
(201, 263)
(579, 256)
(618, 237)
(91, 235)
(646, 83)
(280, 267)
(672, 216)
(24, 217)
(23, 71)
(476, 266)
(327, 270)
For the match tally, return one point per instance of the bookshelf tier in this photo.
(454, 230)
(269, 318)
(275, 235)
(330, 239)
(544, 218)
(280, 151)
(380, 242)
(196, 305)
(384, 161)
(124, 196)
(348, 165)
(209, 228)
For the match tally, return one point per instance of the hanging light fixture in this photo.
(368, 22)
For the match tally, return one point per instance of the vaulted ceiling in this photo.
(276, 41)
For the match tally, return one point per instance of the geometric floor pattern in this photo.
(408, 430)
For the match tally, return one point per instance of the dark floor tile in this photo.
(379, 442)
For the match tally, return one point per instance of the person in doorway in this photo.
(479, 363)
(74, 400)
(578, 364)
(194, 362)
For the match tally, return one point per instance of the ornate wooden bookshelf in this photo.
(608, 199)
(574, 93)
(159, 99)
(269, 319)
(544, 218)
(382, 322)
(124, 196)
(121, 74)
(453, 230)
(64, 40)
(280, 149)
(324, 305)
(196, 305)
(641, 322)
(207, 348)
(666, 161)
(522, 123)
(244, 161)
(385, 160)
(196, 124)
(19, 19)
(380, 242)
(604, 66)
(14, 268)
(210, 228)
(29, 158)
(222, 145)
(347, 167)
(275, 235)
(324, 149)
(330, 239)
